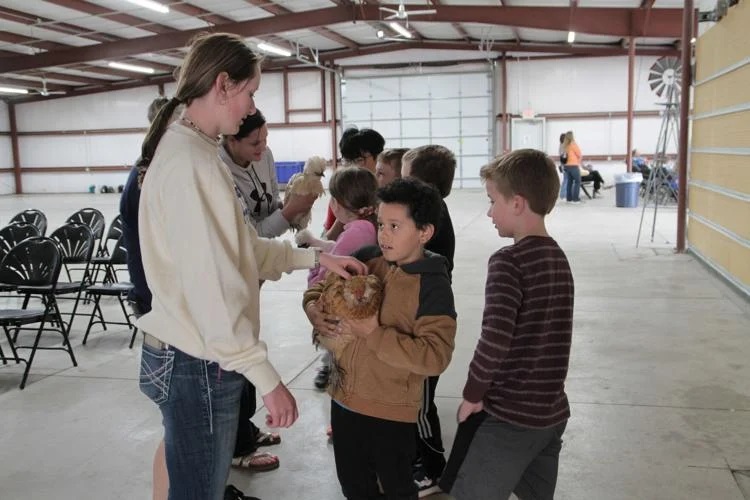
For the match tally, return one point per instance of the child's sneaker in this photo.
(426, 485)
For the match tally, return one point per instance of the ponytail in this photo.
(155, 132)
(209, 56)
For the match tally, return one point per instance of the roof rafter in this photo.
(456, 26)
(513, 28)
(278, 10)
(52, 25)
(99, 11)
(32, 84)
(603, 21)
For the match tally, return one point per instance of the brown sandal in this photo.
(267, 439)
(260, 461)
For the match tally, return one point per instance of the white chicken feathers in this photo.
(306, 183)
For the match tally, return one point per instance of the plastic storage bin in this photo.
(627, 186)
(286, 169)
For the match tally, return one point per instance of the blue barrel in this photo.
(627, 187)
(286, 169)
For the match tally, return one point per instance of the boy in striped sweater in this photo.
(514, 409)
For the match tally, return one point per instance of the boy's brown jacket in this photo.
(383, 374)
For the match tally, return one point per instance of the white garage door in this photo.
(453, 110)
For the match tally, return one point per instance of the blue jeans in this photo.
(564, 183)
(573, 174)
(200, 405)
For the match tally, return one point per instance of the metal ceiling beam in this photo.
(82, 80)
(456, 26)
(514, 29)
(604, 21)
(278, 10)
(68, 29)
(126, 19)
(28, 84)
(34, 43)
(579, 50)
(52, 25)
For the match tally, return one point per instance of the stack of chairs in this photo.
(32, 266)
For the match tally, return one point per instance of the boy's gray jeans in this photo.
(491, 459)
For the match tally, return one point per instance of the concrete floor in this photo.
(658, 379)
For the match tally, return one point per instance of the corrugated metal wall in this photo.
(719, 196)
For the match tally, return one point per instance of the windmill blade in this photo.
(665, 74)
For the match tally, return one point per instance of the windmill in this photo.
(403, 15)
(665, 75)
(664, 78)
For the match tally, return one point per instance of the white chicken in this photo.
(308, 182)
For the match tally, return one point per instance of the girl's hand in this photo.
(341, 265)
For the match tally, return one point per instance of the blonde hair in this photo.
(355, 188)
(525, 172)
(568, 140)
(434, 165)
(209, 56)
(393, 158)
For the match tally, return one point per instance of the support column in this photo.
(286, 96)
(631, 76)
(686, 47)
(14, 147)
(504, 84)
(334, 142)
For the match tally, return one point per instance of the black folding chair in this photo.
(10, 236)
(76, 244)
(14, 234)
(91, 217)
(101, 259)
(111, 289)
(34, 262)
(34, 217)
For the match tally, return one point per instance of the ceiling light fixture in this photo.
(131, 67)
(273, 49)
(400, 29)
(12, 90)
(151, 5)
(571, 36)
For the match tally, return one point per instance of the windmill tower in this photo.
(664, 79)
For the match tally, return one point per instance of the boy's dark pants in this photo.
(247, 432)
(429, 438)
(369, 448)
(492, 459)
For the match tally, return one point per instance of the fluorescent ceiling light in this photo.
(11, 90)
(150, 4)
(131, 67)
(400, 29)
(571, 36)
(273, 49)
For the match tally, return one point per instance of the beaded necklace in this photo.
(187, 121)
